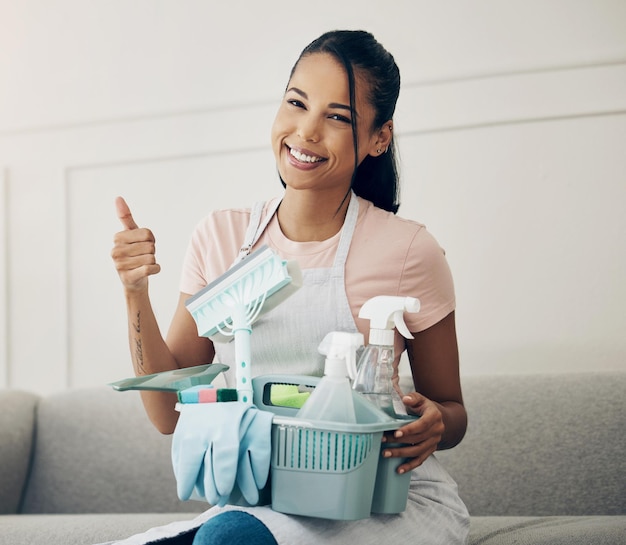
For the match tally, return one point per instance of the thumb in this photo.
(124, 215)
(413, 400)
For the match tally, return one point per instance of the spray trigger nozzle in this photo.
(398, 320)
(386, 312)
(340, 347)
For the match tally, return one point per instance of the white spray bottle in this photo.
(375, 369)
(332, 397)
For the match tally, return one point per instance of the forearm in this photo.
(434, 358)
(150, 354)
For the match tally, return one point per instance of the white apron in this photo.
(435, 515)
(302, 320)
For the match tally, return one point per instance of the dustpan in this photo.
(172, 381)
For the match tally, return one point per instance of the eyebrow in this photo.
(331, 105)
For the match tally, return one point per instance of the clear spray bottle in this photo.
(332, 398)
(374, 378)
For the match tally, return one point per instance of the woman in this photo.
(334, 148)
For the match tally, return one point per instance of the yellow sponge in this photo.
(287, 395)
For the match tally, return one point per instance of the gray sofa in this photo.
(543, 462)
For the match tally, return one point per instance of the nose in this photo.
(308, 128)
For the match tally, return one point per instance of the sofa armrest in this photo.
(17, 426)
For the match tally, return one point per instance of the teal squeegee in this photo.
(226, 308)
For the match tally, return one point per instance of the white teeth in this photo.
(304, 158)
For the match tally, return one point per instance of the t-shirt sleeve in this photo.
(193, 276)
(427, 275)
(212, 248)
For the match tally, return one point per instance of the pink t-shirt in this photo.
(389, 255)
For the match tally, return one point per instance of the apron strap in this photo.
(256, 227)
(347, 231)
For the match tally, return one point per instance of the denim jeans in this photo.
(234, 528)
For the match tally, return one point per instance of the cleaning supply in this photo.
(216, 446)
(332, 398)
(288, 395)
(329, 469)
(255, 452)
(207, 393)
(173, 380)
(375, 369)
(221, 448)
(226, 308)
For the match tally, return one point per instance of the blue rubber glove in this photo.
(254, 453)
(205, 449)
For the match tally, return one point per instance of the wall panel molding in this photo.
(80, 168)
(5, 371)
(504, 73)
(64, 312)
(553, 86)
(513, 99)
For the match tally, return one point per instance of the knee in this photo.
(234, 528)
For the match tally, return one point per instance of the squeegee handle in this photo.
(243, 371)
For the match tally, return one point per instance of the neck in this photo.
(305, 217)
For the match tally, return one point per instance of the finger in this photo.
(210, 488)
(413, 400)
(419, 426)
(136, 279)
(124, 215)
(133, 236)
(199, 486)
(134, 273)
(245, 479)
(414, 462)
(260, 455)
(187, 454)
(414, 455)
(123, 249)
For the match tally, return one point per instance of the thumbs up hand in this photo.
(133, 251)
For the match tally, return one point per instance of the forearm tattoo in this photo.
(138, 348)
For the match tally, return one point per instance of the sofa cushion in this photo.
(97, 452)
(543, 445)
(547, 530)
(80, 529)
(17, 424)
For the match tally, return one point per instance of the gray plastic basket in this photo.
(331, 470)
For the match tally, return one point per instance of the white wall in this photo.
(511, 126)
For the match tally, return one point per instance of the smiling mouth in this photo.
(303, 157)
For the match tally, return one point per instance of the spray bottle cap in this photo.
(339, 347)
(386, 312)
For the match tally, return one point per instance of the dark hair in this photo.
(376, 178)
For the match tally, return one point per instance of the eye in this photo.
(295, 102)
(339, 117)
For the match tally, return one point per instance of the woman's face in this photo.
(312, 134)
